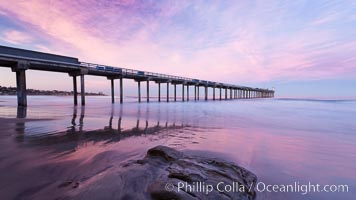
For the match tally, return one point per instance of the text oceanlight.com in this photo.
(296, 187)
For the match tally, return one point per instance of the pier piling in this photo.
(220, 93)
(159, 92)
(121, 91)
(182, 92)
(167, 91)
(82, 89)
(214, 93)
(148, 91)
(112, 91)
(21, 88)
(187, 92)
(139, 91)
(75, 90)
(198, 95)
(206, 93)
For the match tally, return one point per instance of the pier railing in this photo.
(126, 71)
(133, 72)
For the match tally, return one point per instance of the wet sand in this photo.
(54, 168)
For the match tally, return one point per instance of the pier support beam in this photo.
(175, 92)
(214, 93)
(121, 91)
(159, 92)
(148, 91)
(82, 89)
(139, 91)
(206, 93)
(230, 93)
(112, 91)
(195, 92)
(182, 92)
(75, 90)
(187, 92)
(220, 93)
(167, 92)
(20, 69)
(225, 93)
(198, 92)
(21, 88)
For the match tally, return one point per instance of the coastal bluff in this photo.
(33, 92)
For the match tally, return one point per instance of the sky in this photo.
(301, 48)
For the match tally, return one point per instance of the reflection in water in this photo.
(81, 118)
(21, 112)
(77, 133)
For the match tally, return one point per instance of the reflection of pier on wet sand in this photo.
(114, 130)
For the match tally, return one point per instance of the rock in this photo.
(168, 174)
(179, 169)
(165, 153)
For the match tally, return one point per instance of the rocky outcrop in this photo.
(189, 177)
(164, 174)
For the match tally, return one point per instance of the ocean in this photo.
(297, 143)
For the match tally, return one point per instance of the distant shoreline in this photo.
(11, 91)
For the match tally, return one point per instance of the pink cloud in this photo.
(16, 37)
(129, 34)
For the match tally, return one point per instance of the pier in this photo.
(21, 60)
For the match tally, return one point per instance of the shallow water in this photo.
(281, 140)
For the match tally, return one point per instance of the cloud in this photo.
(16, 37)
(222, 41)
